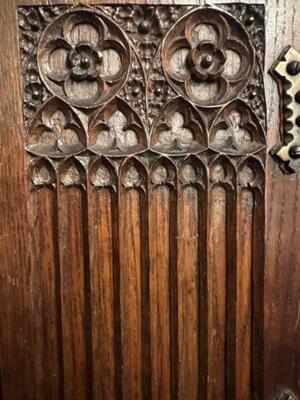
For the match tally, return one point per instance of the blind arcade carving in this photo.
(145, 126)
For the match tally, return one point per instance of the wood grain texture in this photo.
(216, 276)
(28, 292)
(72, 264)
(102, 292)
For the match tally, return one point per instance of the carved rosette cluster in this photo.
(32, 22)
(145, 25)
(189, 107)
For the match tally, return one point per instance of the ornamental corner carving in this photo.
(138, 89)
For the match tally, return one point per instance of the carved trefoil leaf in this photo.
(143, 81)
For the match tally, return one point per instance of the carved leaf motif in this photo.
(56, 131)
(179, 129)
(102, 174)
(192, 171)
(72, 173)
(222, 171)
(205, 59)
(236, 130)
(42, 173)
(250, 173)
(163, 172)
(133, 174)
(117, 130)
(86, 64)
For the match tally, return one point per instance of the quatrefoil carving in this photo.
(83, 58)
(208, 57)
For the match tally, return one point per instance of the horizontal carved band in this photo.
(118, 81)
(192, 170)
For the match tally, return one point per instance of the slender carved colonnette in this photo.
(150, 122)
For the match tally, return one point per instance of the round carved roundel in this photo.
(83, 58)
(208, 57)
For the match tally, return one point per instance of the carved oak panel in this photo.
(145, 126)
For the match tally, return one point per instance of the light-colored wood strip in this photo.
(72, 261)
(243, 309)
(188, 292)
(159, 292)
(216, 275)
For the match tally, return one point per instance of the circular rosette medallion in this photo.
(83, 58)
(208, 57)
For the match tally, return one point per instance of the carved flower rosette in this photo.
(83, 58)
(208, 57)
(99, 82)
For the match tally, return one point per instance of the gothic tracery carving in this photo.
(109, 83)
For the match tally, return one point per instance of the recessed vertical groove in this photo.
(216, 281)
(58, 294)
(203, 293)
(145, 303)
(72, 236)
(258, 294)
(116, 204)
(231, 293)
(244, 295)
(173, 291)
(87, 292)
(188, 291)
(131, 178)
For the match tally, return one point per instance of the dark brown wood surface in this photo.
(90, 308)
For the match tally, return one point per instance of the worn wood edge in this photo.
(153, 2)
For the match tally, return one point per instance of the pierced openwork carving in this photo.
(83, 58)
